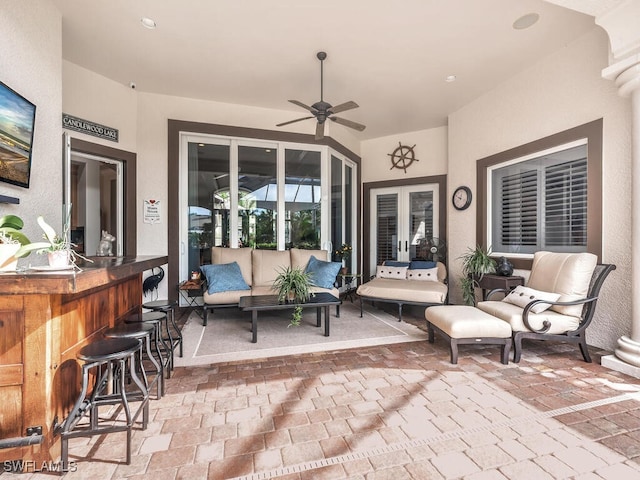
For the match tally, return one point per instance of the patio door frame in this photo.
(369, 211)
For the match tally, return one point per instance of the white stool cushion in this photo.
(461, 321)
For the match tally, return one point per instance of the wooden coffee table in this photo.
(266, 303)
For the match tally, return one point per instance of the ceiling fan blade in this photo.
(300, 104)
(320, 131)
(293, 121)
(343, 107)
(348, 123)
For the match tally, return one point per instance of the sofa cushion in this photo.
(513, 315)
(397, 273)
(322, 274)
(267, 264)
(568, 274)
(240, 255)
(224, 277)
(300, 258)
(225, 298)
(404, 290)
(421, 264)
(522, 296)
(423, 275)
(395, 263)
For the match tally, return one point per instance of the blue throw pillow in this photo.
(421, 265)
(224, 277)
(322, 274)
(395, 263)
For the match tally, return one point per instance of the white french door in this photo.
(400, 218)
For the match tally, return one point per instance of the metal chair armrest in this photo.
(546, 324)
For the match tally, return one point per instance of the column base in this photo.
(614, 363)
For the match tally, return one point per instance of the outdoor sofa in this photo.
(238, 272)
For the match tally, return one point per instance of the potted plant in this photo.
(57, 247)
(343, 254)
(11, 240)
(475, 263)
(293, 285)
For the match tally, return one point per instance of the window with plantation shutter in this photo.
(387, 234)
(541, 203)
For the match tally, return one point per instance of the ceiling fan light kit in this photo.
(322, 110)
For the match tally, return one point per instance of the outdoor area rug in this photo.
(227, 336)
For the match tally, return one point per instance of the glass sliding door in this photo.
(302, 196)
(257, 197)
(209, 205)
(402, 219)
(238, 192)
(336, 205)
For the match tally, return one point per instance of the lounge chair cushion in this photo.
(512, 314)
(522, 296)
(396, 273)
(404, 290)
(568, 274)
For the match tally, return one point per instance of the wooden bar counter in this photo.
(45, 318)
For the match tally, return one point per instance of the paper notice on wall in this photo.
(151, 212)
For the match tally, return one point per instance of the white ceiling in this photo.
(389, 56)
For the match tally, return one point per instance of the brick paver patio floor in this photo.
(386, 412)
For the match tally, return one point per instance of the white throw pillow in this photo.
(399, 273)
(423, 274)
(522, 296)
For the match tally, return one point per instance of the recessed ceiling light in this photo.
(526, 21)
(450, 78)
(148, 23)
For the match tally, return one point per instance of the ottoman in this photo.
(461, 324)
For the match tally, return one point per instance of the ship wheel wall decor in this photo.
(402, 157)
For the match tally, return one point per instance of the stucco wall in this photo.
(563, 91)
(92, 97)
(30, 63)
(430, 149)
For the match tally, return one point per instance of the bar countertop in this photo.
(88, 275)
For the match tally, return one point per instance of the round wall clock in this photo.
(402, 157)
(461, 198)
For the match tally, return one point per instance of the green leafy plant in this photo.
(475, 264)
(10, 226)
(293, 285)
(52, 241)
(11, 241)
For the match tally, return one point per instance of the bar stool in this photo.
(168, 307)
(162, 344)
(110, 361)
(143, 332)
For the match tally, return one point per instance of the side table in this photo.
(190, 291)
(491, 282)
(351, 282)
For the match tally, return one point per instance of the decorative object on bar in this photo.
(475, 263)
(57, 247)
(505, 267)
(293, 285)
(105, 247)
(11, 239)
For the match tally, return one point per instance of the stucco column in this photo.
(626, 75)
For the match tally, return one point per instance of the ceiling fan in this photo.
(322, 110)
